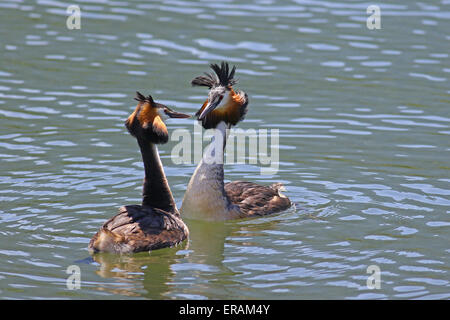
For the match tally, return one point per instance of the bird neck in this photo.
(205, 196)
(214, 152)
(156, 191)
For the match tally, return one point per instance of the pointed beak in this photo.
(209, 107)
(174, 114)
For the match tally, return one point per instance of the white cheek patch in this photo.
(162, 114)
(224, 101)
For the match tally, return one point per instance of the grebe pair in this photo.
(157, 222)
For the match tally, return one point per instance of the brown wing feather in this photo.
(256, 200)
(136, 228)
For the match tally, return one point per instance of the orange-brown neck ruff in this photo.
(231, 111)
(150, 116)
(129, 123)
(149, 123)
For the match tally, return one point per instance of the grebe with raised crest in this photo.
(207, 196)
(156, 223)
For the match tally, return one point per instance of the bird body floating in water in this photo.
(207, 196)
(156, 223)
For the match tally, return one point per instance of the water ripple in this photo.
(363, 122)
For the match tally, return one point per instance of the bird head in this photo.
(223, 102)
(146, 121)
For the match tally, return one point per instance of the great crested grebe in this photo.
(207, 196)
(156, 223)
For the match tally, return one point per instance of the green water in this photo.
(364, 146)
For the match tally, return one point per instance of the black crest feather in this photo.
(141, 98)
(222, 76)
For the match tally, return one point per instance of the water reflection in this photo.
(207, 240)
(138, 275)
(152, 275)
